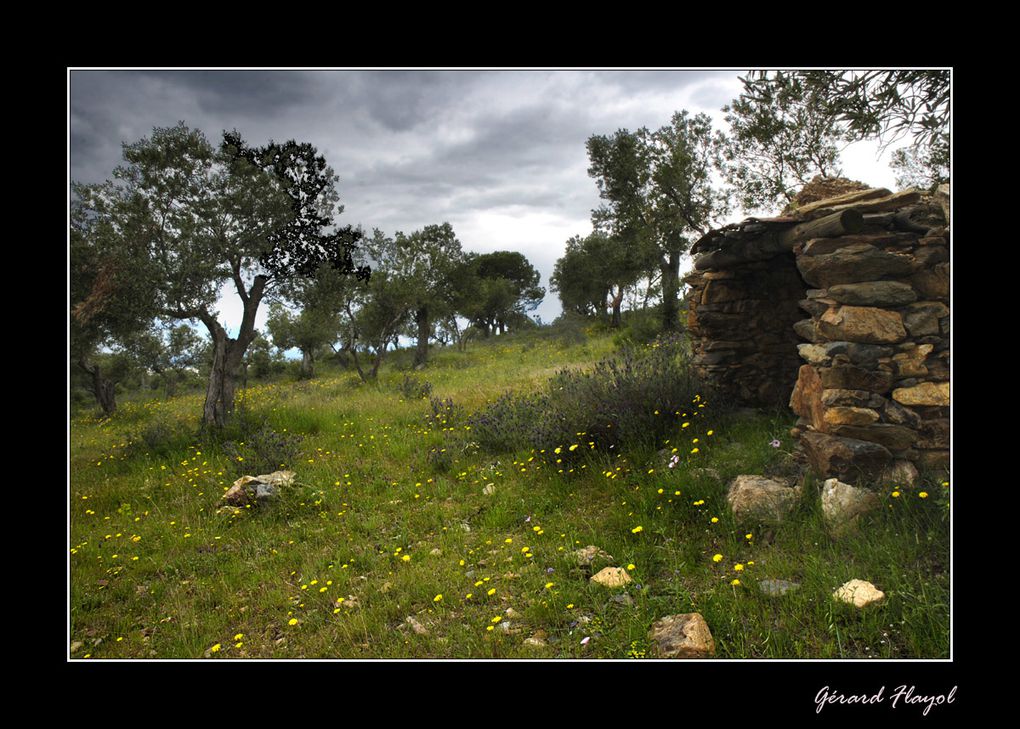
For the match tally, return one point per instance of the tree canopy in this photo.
(188, 218)
(658, 193)
(498, 289)
(779, 139)
(889, 105)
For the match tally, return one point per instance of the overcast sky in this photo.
(500, 155)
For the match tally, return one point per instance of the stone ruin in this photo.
(841, 310)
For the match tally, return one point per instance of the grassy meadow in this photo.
(403, 538)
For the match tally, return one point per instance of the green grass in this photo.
(157, 572)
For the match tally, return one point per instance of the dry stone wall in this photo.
(846, 306)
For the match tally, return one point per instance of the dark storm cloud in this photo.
(411, 147)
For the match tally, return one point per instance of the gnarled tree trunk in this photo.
(102, 388)
(307, 364)
(670, 285)
(228, 355)
(421, 352)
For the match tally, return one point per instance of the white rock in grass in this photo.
(843, 504)
(757, 498)
(859, 593)
(612, 577)
(682, 636)
(490, 489)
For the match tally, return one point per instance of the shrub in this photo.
(412, 389)
(263, 451)
(636, 398)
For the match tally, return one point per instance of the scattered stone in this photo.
(351, 602)
(624, 599)
(585, 557)
(612, 577)
(465, 526)
(436, 552)
(490, 489)
(843, 504)
(682, 636)
(257, 489)
(758, 498)
(777, 588)
(537, 640)
(413, 624)
(901, 473)
(924, 393)
(511, 613)
(386, 587)
(76, 646)
(859, 593)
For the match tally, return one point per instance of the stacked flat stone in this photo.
(869, 366)
(875, 386)
(741, 321)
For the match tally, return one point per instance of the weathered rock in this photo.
(853, 196)
(843, 504)
(873, 293)
(893, 437)
(821, 354)
(824, 246)
(932, 283)
(863, 324)
(851, 377)
(922, 318)
(830, 455)
(535, 642)
(876, 205)
(612, 577)
(808, 329)
(682, 636)
(76, 646)
(589, 554)
(867, 355)
(901, 473)
(624, 599)
(852, 398)
(925, 393)
(934, 434)
(411, 622)
(943, 195)
(853, 264)
(806, 399)
(815, 306)
(757, 498)
(254, 489)
(859, 593)
(237, 495)
(489, 489)
(930, 255)
(932, 460)
(911, 363)
(777, 588)
(841, 415)
(280, 479)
